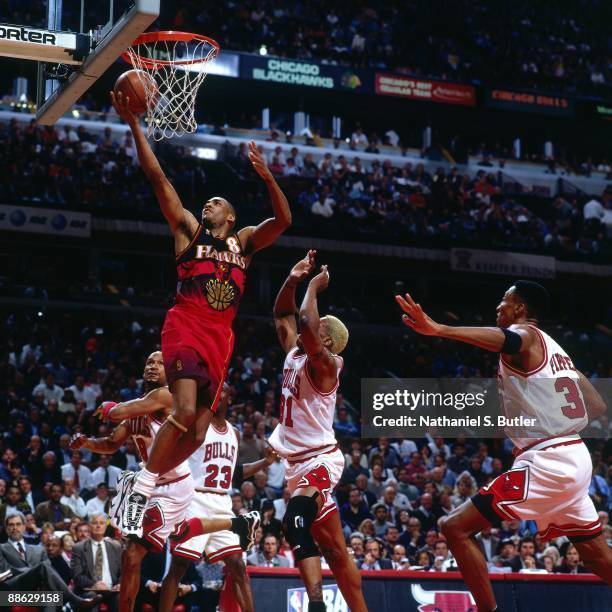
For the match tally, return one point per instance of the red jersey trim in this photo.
(191, 243)
(535, 370)
(220, 431)
(519, 451)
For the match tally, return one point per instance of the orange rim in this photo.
(169, 36)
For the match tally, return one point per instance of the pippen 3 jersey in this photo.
(306, 423)
(143, 430)
(549, 395)
(212, 275)
(213, 464)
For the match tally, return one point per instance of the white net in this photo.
(171, 72)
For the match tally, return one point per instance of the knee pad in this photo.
(299, 516)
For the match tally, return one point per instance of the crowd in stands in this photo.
(338, 195)
(54, 371)
(411, 205)
(559, 47)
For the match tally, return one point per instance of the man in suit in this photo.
(96, 563)
(80, 474)
(106, 473)
(488, 544)
(30, 568)
(526, 550)
(53, 511)
(267, 555)
(155, 566)
(373, 557)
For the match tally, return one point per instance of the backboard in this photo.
(77, 46)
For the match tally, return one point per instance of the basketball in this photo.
(133, 85)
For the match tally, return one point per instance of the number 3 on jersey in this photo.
(285, 411)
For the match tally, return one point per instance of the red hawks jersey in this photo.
(213, 464)
(212, 275)
(306, 414)
(143, 430)
(549, 395)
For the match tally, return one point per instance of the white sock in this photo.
(145, 482)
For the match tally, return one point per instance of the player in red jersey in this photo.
(305, 437)
(549, 480)
(197, 340)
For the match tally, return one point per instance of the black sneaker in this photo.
(133, 514)
(245, 526)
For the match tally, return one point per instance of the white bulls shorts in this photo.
(167, 506)
(216, 545)
(548, 484)
(323, 472)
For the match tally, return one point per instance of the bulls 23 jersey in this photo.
(213, 464)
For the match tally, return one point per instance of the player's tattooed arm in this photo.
(285, 308)
(595, 403)
(103, 446)
(263, 235)
(320, 360)
(487, 338)
(158, 399)
(180, 220)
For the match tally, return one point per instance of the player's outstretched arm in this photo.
(259, 237)
(487, 338)
(155, 400)
(179, 219)
(103, 446)
(320, 358)
(285, 308)
(595, 403)
(246, 470)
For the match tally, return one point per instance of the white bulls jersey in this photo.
(213, 464)
(549, 394)
(306, 415)
(143, 430)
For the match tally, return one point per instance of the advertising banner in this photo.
(424, 89)
(520, 265)
(45, 221)
(303, 73)
(412, 591)
(531, 102)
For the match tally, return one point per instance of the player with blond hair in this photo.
(305, 437)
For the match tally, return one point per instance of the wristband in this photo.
(106, 408)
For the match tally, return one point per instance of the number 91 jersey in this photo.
(213, 464)
(306, 420)
(549, 395)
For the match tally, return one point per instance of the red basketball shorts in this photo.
(195, 347)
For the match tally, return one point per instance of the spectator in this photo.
(381, 522)
(251, 449)
(105, 473)
(425, 512)
(97, 505)
(280, 505)
(13, 504)
(53, 511)
(79, 474)
(570, 561)
(248, 493)
(488, 543)
(96, 563)
(399, 560)
(72, 499)
(48, 389)
(373, 557)
(355, 511)
(267, 555)
(82, 392)
(355, 467)
(54, 552)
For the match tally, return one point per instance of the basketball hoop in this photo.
(178, 63)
